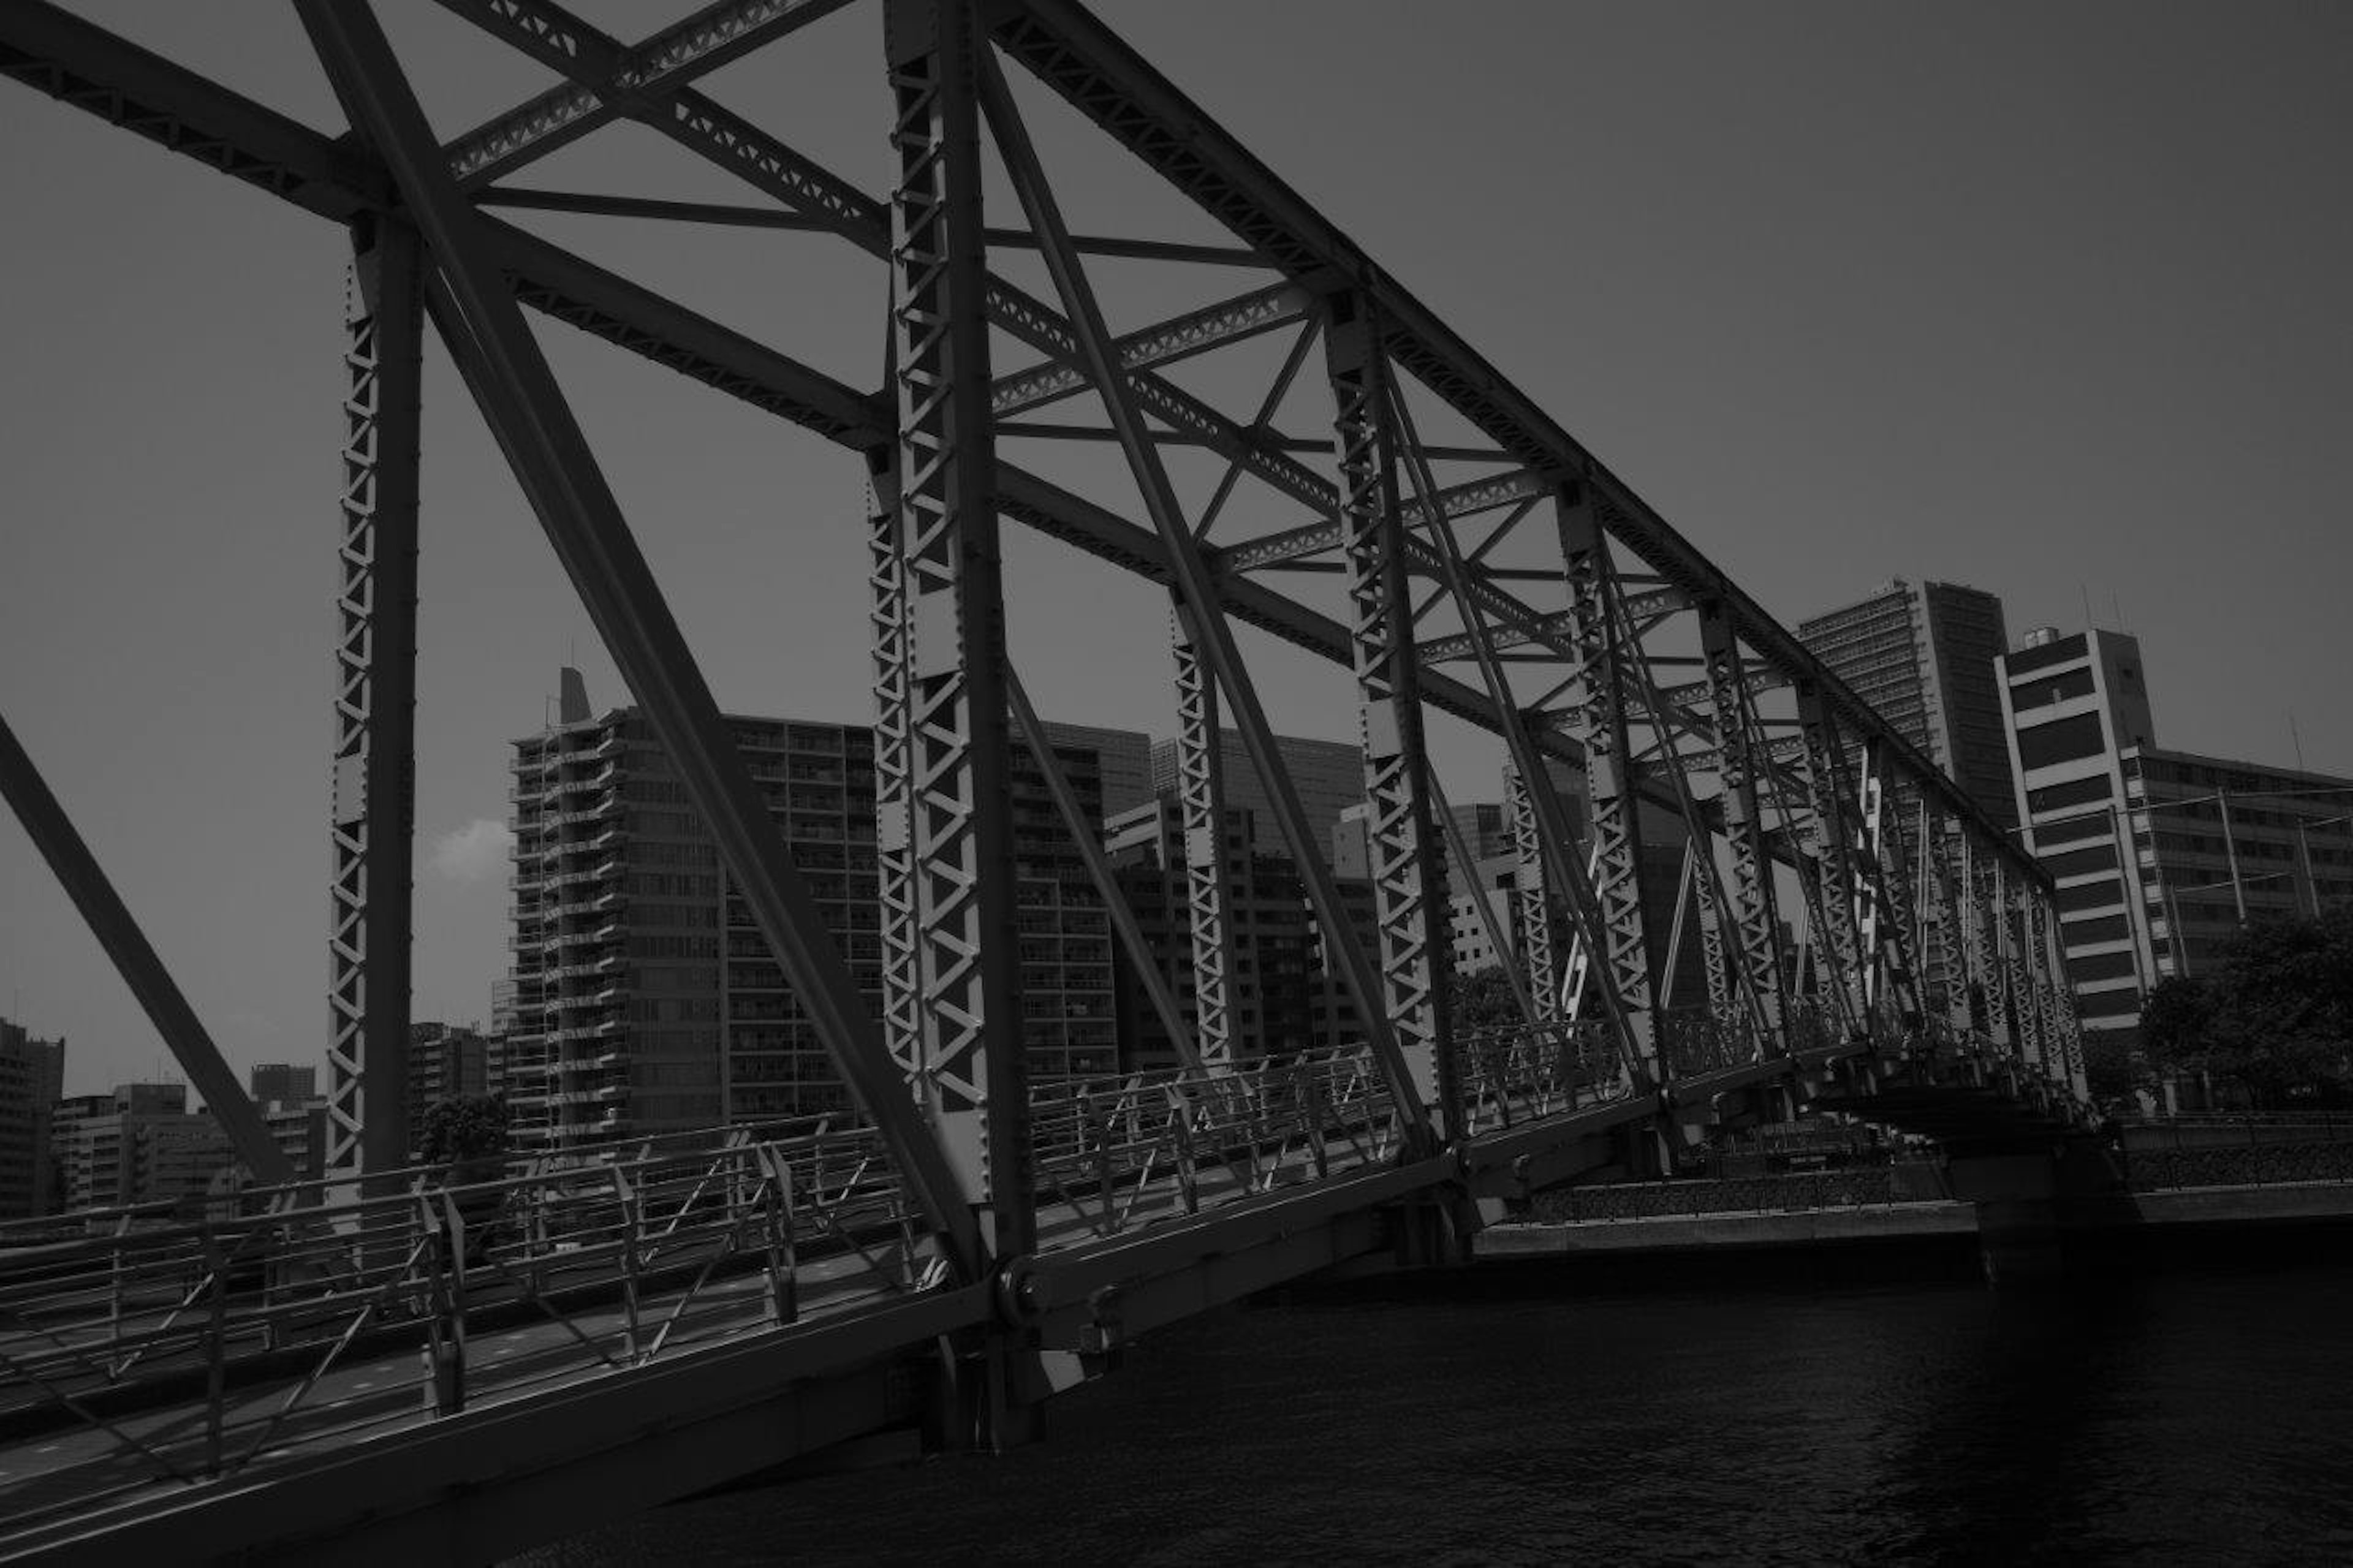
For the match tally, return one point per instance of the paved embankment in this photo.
(2185, 1209)
(1678, 1233)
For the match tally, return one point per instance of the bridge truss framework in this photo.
(1849, 899)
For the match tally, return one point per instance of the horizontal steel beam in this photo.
(1165, 342)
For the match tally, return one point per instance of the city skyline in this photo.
(2018, 370)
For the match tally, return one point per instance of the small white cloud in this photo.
(473, 853)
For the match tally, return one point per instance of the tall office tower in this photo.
(2159, 856)
(282, 1082)
(1923, 656)
(1328, 774)
(32, 1081)
(646, 997)
(1124, 757)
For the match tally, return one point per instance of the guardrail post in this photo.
(114, 1291)
(215, 1351)
(627, 1202)
(450, 1347)
(1188, 1182)
(784, 1248)
(1311, 1113)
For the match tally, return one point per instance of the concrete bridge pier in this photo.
(2026, 1203)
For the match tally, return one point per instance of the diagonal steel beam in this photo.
(1071, 49)
(105, 74)
(109, 921)
(1140, 954)
(666, 61)
(552, 35)
(1628, 1016)
(1194, 582)
(485, 332)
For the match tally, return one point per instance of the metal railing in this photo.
(1513, 1076)
(1858, 1187)
(2266, 1163)
(1115, 1155)
(185, 1350)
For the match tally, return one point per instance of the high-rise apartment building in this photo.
(1329, 776)
(645, 998)
(1280, 995)
(32, 1081)
(1922, 658)
(445, 1061)
(2159, 856)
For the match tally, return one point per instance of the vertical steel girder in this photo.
(2066, 1026)
(374, 808)
(1937, 840)
(1201, 805)
(1748, 1015)
(2025, 999)
(1408, 888)
(475, 313)
(894, 857)
(2037, 922)
(2000, 988)
(1196, 589)
(1531, 902)
(1884, 891)
(1756, 915)
(972, 1079)
(1597, 723)
(1837, 893)
(1979, 892)
(102, 909)
(1632, 1026)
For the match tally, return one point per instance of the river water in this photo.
(2181, 1416)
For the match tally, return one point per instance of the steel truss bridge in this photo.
(468, 1361)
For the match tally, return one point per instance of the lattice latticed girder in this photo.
(1408, 888)
(971, 1079)
(1733, 721)
(1597, 719)
(1532, 905)
(1839, 941)
(374, 794)
(1201, 809)
(893, 746)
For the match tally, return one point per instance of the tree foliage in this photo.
(465, 1129)
(1483, 999)
(2274, 1017)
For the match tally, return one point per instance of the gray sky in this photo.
(2027, 295)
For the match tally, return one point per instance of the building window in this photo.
(2064, 741)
